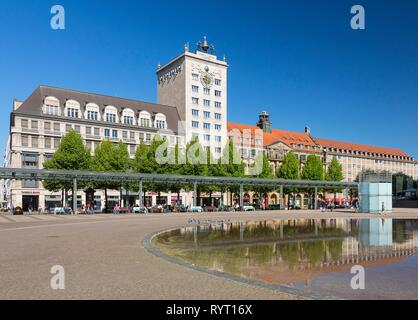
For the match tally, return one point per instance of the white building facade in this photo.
(196, 84)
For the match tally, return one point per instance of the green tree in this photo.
(289, 170)
(265, 173)
(313, 170)
(70, 155)
(109, 157)
(195, 164)
(334, 173)
(232, 164)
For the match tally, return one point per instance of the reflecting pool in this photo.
(314, 256)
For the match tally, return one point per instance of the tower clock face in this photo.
(207, 79)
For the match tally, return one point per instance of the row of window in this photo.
(206, 91)
(195, 77)
(206, 126)
(206, 103)
(73, 110)
(206, 114)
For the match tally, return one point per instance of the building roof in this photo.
(298, 138)
(360, 147)
(33, 105)
(287, 137)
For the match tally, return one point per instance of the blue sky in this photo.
(299, 60)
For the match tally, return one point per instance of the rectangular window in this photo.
(110, 117)
(218, 150)
(218, 139)
(132, 135)
(141, 137)
(29, 160)
(218, 116)
(148, 138)
(145, 122)
(128, 120)
(29, 184)
(160, 124)
(24, 123)
(34, 124)
(206, 103)
(195, 112)
(195, 101)
(47, 126)
(68, 127)
(206, 126)
(218, 127)
(77, 128)
(206, 91)
(125, 134)
(57, 142)
(89, 145)
(34, 142)
(57, 127)
(195, 76)
(195, 124)
(97, 131)
(72, 113)
(25, 141)
(107, 133)
(218, 82)
(207, 114)
(47, 143)
(132, 149)
(88, 131)
(218, 93)
(92, 115)
(207, 137)
(195, 89)
(114, 133)
(218, 104)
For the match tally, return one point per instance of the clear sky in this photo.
(299, 60)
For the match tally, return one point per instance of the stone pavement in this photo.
(103, 257)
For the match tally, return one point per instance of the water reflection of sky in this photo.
(315, 256)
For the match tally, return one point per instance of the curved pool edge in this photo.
(146, 244)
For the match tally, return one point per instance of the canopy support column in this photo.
(74, 195)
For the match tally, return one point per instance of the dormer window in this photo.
(51, 106)
(111, 114)
(72, 109)
(72, 113)
(128, 120)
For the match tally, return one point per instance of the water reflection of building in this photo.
(298, 250)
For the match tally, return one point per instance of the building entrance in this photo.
(30, 201)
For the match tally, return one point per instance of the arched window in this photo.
(51, 106)
(145, 119)
(128, 117)
(72, 109)
(111, 114)
(274, 199)
(160, 121)
(92, 112)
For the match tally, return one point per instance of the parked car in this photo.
(248, 208)
(156, 209)
(119, 210)
(197, 209)
(211, 209)
(138, 209)
(61, 210)
(226, 209)
(184, 208)
(18, 211)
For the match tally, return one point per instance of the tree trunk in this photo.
(62, 198)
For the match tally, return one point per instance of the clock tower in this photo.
(196, 83)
